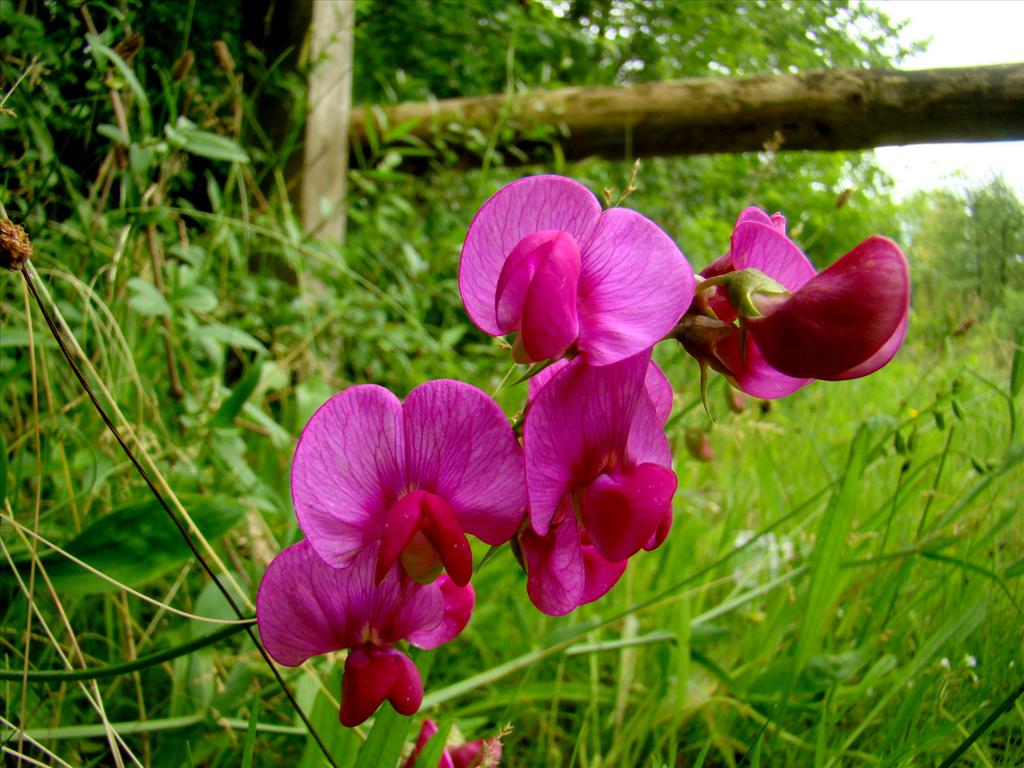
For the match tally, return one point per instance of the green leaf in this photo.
(232, 337)
(196, 297)
(146, 299)
(229, 409)
(835, 526)
(1015, 570)
(250, 733)
(113, 133)
(102, 52)
(195, 141)
(431, 754)
(1017, 367)
(136, 544)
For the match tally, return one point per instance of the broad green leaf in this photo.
(146, 299)
(195, 296)
(136, 544)
(195, 141)
(232, 337)
(113, 133)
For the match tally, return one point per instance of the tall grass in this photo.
(842, 585)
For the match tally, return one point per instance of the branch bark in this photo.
(828, 110)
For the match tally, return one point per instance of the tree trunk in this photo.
(830, 110)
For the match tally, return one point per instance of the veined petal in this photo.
(578, 422)
(347, 471)
(555, 574)
(373, 675)
(660, 390)
(635, 284)
(460, 446)
(658, 387)
(304, 607)
(761, 246)
(301, 606)
(526, 206)
(842, 317)
(458, 608)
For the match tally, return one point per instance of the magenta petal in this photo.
(647, 442)
(301, 606)
(458, 608)
(752, 373)
(777, 221)
(537, 293)
(880, 358)
(526, 206)
(304, 607)
(622, 511)
(634, 286)
(601, 575)
(842, 317)
(577, 421)
(658, 386)
(516, 275)
(660, 391)
(373, 675)
(550, 322)
(762, 247)
(347, 471)
(460, 446)
(555, 576)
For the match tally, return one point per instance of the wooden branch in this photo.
(830, 110)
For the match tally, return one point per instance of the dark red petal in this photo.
(445, 533)
(621, 512)
(841, 318)
(400, 523)
(373, 675)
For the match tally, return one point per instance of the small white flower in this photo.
(944, 663)
(970, 661)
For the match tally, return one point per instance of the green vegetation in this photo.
(843, 583)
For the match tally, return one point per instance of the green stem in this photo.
(113, 670)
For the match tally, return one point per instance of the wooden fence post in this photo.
(325, 161)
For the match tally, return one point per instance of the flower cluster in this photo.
(388, 493)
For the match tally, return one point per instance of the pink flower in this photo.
(304, 608)
(599, 480)
(542, 259)
(416, 477)
(842, 323)
(473, 754)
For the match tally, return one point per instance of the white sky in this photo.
(964, 33)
